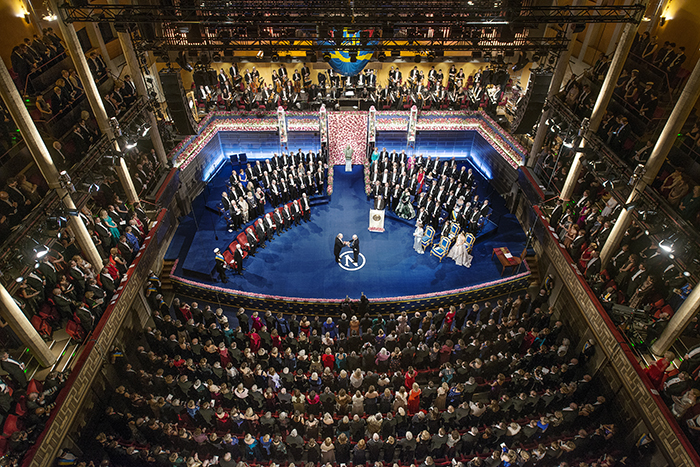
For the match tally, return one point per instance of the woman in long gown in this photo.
(405, 208)
(111, 225)
(414, 399)
(459, 252)
(418, 238)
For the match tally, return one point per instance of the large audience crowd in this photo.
(481, 385)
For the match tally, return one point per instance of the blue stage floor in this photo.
(300, 262)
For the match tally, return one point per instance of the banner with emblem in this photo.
(282, 125)
(412, 124)
(372, 126)
(323, 124)
(341, 60)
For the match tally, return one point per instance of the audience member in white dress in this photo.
(417, 238)
(459, 252)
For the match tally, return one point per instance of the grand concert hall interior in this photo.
(310, 232)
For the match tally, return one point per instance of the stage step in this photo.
(165, 283)
(534, 268)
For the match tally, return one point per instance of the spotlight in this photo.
(204, 58)
(569, 143)
(667, 244)
(41, 251)
(216, 57)
(182, 61)
(275, 57)
(417, 58)
(145, 129)
(19, 280)
(353, 56)
(686, 273)
(326, 56)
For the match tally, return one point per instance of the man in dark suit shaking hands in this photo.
(339, 244)
(355, 245)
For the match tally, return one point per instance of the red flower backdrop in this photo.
(347, 128)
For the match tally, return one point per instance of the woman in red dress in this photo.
(657, 370)
(410, 377)
(420, 179)
(414, 399)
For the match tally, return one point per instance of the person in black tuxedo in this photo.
(305, 207)
(355, 245)
(379, 202)
(338, 246)
(556, 213)
(238, 258)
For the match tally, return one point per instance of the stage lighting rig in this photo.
(65, 181)
(182, 61)
(638, 173)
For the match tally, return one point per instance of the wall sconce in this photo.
(27, 18)
(663, 21)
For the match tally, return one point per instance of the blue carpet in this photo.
(300, 262)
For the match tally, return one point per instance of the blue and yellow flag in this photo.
(340, 59)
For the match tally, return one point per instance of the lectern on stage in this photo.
(376, 220)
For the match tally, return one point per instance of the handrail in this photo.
(609, 335)
(51, 201)
(43, 68)
(95, 350)
(650, 195)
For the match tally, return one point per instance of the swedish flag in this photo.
(341, 60)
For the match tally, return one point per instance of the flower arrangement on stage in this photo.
(347, 128)
(329, 188)
(391, 124)
(368, 187)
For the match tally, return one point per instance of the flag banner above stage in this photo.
(372, 125)
(323, 124)
(282, 125)
(340, 59)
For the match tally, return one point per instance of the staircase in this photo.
(531, 258)
(165, 283)
(64, 349)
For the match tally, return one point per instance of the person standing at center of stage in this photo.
(355, 245)
(339, 244)
(418, 239)
(220, 265)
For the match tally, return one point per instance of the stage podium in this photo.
(376, 220)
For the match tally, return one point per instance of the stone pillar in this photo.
(23, 328)
(132, 62)
(90, 87)
(43, 160)
(103, 51)
(125, 179)
(686, 312)
(668, 136)
(601, 104)
(554, 87)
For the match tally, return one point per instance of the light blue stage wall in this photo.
(447, 144)
(263, 144)
(436, 143)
